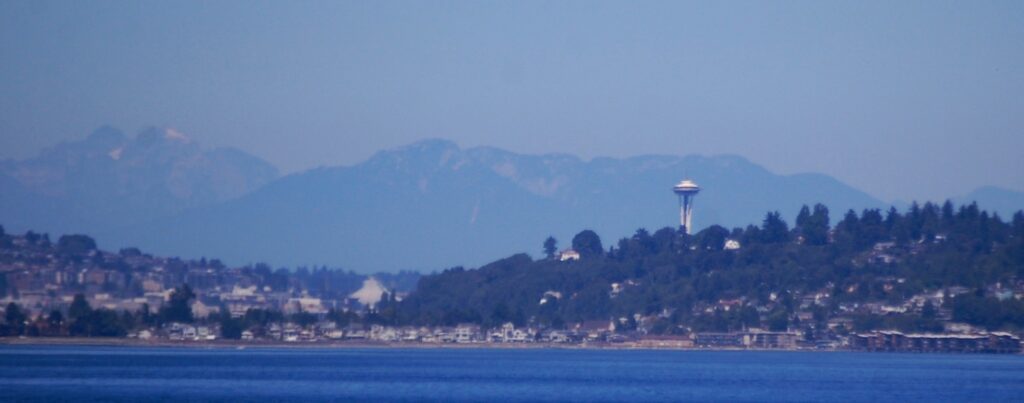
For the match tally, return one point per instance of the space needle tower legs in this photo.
(687, 191)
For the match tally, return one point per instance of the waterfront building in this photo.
(995, 342)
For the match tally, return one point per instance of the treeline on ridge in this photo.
(675, 275)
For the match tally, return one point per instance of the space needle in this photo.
(686, 190)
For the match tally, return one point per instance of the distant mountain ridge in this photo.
(109, 180)
(424, 206)
(431, 204)
(1002, 201)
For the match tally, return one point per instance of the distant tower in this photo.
(686, 190)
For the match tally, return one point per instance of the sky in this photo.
(904, 100)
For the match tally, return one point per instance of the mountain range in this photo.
(110, 180)
(424, 206)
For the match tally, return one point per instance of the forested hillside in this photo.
(909, 261)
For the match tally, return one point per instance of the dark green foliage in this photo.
(588, 244)
(726, 321)
(87, 322)
(55, 319)
(79, 308)
(75, 245)
(778, 321)
(403, 281)
(231, 328)
(302, 318)
(263, 317)
(130, 252)
(14, 320)
(774, 229)
(80, 314)
(712, 238)
(902, 322)
(145, 316)
(550, 247)
(990, 313)
(99, 323)
(385, 312)
(813, 227)
(342, 318)
(278, 280)
(928, 310)
(179, 308)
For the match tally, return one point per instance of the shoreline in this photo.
(240, 345)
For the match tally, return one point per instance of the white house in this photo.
(568, 254)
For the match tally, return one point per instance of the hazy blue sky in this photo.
(902, 99)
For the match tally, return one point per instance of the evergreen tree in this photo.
(231, 328)
(179, 307)
(1018, 222)
(813, 227)
(872, 228)
(79, 308)
(15, 319)
(803, 217)
(550, 247)
(146, 316)
(644, 241)
(774, 229)
(81, 316)
(914, 221)
(947, 213)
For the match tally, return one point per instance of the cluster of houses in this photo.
(34, 275)
(585, 333)
(595, 333)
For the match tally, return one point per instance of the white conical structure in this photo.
(686, 190)
(371, 292)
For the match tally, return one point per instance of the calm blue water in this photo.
(62, 373)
